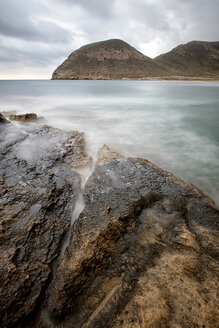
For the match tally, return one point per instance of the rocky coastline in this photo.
(142, 250)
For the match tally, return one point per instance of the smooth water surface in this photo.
(173, 124)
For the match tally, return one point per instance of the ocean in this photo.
(174, 124)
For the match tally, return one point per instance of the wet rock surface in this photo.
(38, 190)
(143, 253)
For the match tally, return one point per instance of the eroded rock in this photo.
(106, 155)
(143, 253)
(38, 191)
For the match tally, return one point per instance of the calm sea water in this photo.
(173, 124)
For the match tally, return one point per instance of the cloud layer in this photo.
(37, 35)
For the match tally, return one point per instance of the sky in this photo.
(37, 35)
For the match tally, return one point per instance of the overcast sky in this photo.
(37, 35)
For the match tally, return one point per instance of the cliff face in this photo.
(195, 58)
(115, 59)
(111, 59)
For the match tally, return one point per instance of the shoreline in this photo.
(169, 79)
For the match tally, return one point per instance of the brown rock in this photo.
(143, 253)
(29, 117)
(106, 155)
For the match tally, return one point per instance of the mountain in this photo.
(115, 59)
(195, 58)
(111, 59)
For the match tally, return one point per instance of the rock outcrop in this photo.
(116, 60)
(108, 60)
(38, 192)
(143, 252)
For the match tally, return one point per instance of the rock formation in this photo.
(143, 252)
(38, 192)
(106, 60)
(116, 60)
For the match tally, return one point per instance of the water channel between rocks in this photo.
(84, 173)
(78, 208)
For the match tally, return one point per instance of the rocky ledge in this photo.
(143, 252)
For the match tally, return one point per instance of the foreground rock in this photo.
(38, 191)
(143, 253)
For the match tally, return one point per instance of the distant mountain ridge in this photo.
(115, 59)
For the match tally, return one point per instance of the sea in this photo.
(174, 124)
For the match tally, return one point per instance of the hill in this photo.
(110, 59)
(195, 58)
(115, 59)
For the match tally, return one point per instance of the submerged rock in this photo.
(29, 117)
(38, 190)
(143, 253)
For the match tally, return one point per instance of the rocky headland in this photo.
(108, 60)
(142, 253)
(116, 60)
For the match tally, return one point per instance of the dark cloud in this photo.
(32, 56)
(43, 32)
(18, 19)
